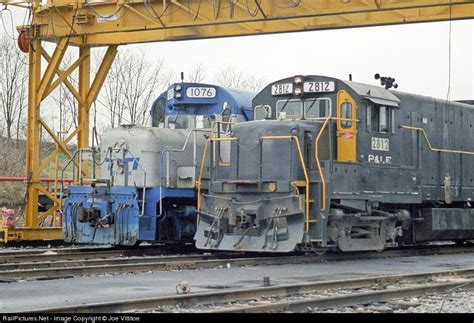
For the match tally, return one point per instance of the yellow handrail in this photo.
(318, 163)
(201, 170)
(448, 151)
(316, 155)
(303, 165)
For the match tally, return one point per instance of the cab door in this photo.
(346, 127)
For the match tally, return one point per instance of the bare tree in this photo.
(131, 86)
(13, 88)
(65, 100)
(234, 77)
(113, 93)
(197, 74)
(141, 82)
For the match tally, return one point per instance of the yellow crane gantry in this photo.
(92, 23)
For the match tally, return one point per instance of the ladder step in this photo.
(299, 183)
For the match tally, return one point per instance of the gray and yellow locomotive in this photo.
(334, 164)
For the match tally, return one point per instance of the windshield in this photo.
(189, 122)
(317, 108)
(290, 109)
(312, 108)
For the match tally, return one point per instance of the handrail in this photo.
(201, 170)
(303, 165)
(318, 163)
(448, 151)
(167, 151)
(62, 182)
(144, 179)
(213, 123)
(316, 155)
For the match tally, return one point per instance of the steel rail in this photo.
(84, 253)
(103, 261)
(325, 303)
(136, 266)
(232, 295)
(92, 263)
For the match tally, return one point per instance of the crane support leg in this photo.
(44, 225)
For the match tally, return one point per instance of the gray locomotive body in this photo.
(333, 164)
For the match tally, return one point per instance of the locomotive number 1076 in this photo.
(201, 92)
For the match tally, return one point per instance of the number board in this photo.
(201, 92)
(318, 87)
(282, 89)
(382, 144)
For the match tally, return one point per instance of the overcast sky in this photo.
(416, 55)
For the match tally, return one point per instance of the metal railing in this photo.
(316, 156)
(201, 170)
(300, 152)
(447, 151)
(92, 151)
(303, 165)
(167, 152)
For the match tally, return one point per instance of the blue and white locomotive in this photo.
(146, 187)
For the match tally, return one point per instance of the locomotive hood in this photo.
(144, 147)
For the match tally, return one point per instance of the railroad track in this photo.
(58, 254)
(313, 295)
(68, 265)
(69, 269)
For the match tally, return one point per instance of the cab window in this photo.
(346, 114)
(226, 112)
(291, 109)
(158, 116)
(262, 112)
(379, 119)
(226, 116)
(317, 108)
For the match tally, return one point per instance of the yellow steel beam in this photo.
(21, 234)
(83, 110)
(26, 4)
(55, 138)
(53, 155)
(101, 74)
(123, 22)
(33, 144)
(63, 75)
(51, 68)
(40, 86)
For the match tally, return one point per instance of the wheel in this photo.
(320, 252)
